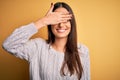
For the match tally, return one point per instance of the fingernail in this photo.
(51, 3)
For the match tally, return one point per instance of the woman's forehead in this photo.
(61, 9)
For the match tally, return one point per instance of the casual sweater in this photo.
(44, 61)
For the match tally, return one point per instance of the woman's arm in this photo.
(18, 42)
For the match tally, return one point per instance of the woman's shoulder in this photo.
(83, 49)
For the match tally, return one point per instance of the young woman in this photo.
(59, 57)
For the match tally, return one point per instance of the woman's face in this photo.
(61, 30)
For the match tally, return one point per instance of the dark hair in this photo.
(71, 58)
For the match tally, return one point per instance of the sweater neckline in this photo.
(55, 51)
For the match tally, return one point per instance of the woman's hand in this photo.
(52, 18)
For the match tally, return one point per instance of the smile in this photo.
(61, 30)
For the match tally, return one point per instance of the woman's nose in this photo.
(61, 24)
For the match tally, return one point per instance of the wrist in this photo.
(40, 23)
(44, 21)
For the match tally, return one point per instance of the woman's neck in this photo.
(59, 45)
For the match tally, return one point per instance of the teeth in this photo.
(61, 30)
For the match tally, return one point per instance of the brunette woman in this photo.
(58, 58)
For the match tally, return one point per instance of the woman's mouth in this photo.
(61, 30)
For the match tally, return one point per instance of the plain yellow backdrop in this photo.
(98, 27)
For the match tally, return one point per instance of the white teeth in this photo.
(61, 30)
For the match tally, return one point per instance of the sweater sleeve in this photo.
(18, 42)
(85, 60)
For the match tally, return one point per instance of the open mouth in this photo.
(61, 30)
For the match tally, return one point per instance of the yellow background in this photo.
(98, 23)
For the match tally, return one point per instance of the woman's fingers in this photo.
(67, 16)
(57, 17)
(63, 18)
(51, 8)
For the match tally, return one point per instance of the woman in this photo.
(58, 58)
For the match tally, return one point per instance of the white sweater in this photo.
(44, 61)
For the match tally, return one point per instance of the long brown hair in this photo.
(71, 58)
